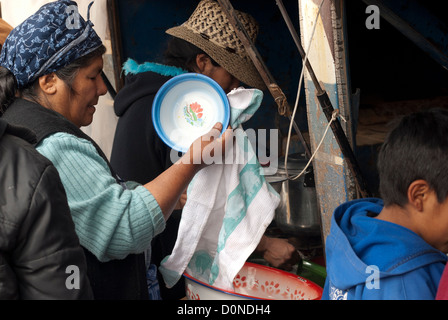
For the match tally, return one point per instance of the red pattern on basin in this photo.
(257, 282)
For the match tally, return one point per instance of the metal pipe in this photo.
(296, 39)
(274, 89)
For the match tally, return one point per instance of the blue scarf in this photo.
(50, 39)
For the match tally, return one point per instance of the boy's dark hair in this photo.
(417, 148)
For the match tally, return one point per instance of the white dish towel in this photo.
(228, 208)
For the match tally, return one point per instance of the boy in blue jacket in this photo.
(395, 248)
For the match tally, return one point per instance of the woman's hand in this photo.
(169, 186)
(209, 148)
(182, 201)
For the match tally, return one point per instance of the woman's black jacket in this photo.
(40, 254)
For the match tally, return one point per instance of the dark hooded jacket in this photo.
(138, 154)
(40, 254)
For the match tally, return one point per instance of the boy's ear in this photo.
(47, 83)
(201, 61)
(418, 193)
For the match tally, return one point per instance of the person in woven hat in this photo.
(209, 30)
(207, 44)
(50, 82)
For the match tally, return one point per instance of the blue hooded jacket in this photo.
(371, 259)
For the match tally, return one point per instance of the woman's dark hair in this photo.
(8, 88)
(182, 54)
(416, 149)
(68, 73)
(8, 83)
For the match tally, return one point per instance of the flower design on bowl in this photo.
(239, 281)
(194, 114)
(255, 281)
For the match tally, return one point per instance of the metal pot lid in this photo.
(275, 179)
(296, 162)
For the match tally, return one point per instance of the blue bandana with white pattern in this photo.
(52, 38)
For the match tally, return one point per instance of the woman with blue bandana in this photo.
(50, 82)
(38, 243)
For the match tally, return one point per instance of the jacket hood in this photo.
(141, 80)
(358, 241)
(20, 132)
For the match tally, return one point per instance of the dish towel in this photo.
(228, 208)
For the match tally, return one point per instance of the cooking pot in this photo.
(297, 214)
